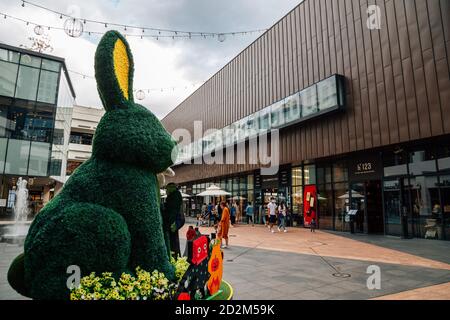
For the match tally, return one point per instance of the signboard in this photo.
(309, 205)
(285, 177)
(2, 202)
(257, 181)
(366, 167)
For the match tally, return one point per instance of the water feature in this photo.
(17, 231)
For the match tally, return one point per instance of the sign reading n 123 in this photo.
(365, 167)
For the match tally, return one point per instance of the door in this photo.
(375, 222)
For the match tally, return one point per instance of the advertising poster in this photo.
(309, 206)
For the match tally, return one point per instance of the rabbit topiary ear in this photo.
(114, 71)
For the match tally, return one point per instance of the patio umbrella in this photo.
(213, 190)
(354, 195)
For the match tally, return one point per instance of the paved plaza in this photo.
(322, 265)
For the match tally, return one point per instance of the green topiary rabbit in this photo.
(107, 217)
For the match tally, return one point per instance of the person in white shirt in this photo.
(272, 208)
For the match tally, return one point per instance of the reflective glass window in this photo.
(252, 127)
(422, 162)
(327, 93)
(39, 158)
(43, 123)
(29, 60)
(394, 164)
(3, 143)
(291, 108)
(277, 115)
(27, 83)
(11, 56)
(50, 65)
(48, 85)
(8, 76)
(20, 122)
(264, 119)
(310, 174)
(4, 122)
(17, 157)
(308, 100)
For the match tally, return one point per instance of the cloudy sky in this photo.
(182, 64)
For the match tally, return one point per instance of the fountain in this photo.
(17, 232)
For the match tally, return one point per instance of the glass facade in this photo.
(409, 197)
(321, 98)
(35, 114)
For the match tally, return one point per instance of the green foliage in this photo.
(16, 273)
(107, 216)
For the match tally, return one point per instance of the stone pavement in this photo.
(322, 265)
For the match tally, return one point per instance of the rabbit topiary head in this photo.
(128, 132)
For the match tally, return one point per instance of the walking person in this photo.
(224, 225)
(282, 214)
(249, 213)
(313, 223)
(233, 214)
(272, 208)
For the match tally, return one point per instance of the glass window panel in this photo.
(43, 123)
(392, 206)
(310, 174)
(340, 172)
(3, 142)
(444, 158)
(264, 119)
(252, 126)
(308, 100)
(11, 56)
(325, 203)
(422, 162)
(327, 93)
(394, 164)
(39, 158)
(8, 76)
(426, 206)
(50, 65)
(291, 108)
(341, 204)
(4, 122)
(48, 85)
(277, 115)
(297, 176)
(27, 83)
(297, 206)
(17, 157)
(20, 122)
(29, 60)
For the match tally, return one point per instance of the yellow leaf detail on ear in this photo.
(121, 66)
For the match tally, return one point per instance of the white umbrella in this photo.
(213, 190)
(354, 195)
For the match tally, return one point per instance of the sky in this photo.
(177, 66)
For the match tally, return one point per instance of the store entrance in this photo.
(366, 198)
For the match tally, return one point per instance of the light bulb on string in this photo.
(60, 16)
(23, 4)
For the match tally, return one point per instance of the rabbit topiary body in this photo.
(107, 217)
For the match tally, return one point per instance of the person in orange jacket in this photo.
(224, 224)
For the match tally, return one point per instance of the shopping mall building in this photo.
(36, 100)
(361, 106)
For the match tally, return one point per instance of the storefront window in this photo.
(426, 207)
(422, 162)
(310, 174)
(395, 164)
(297, 205)
(3, 143)
(323, 174)
(340, 172)
(325, 201)
(20, 122)
(43, 123)
(393, 206)
(445, 196)
(341, 204)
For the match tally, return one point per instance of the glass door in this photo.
(358, 202)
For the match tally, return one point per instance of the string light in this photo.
(185, 34)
